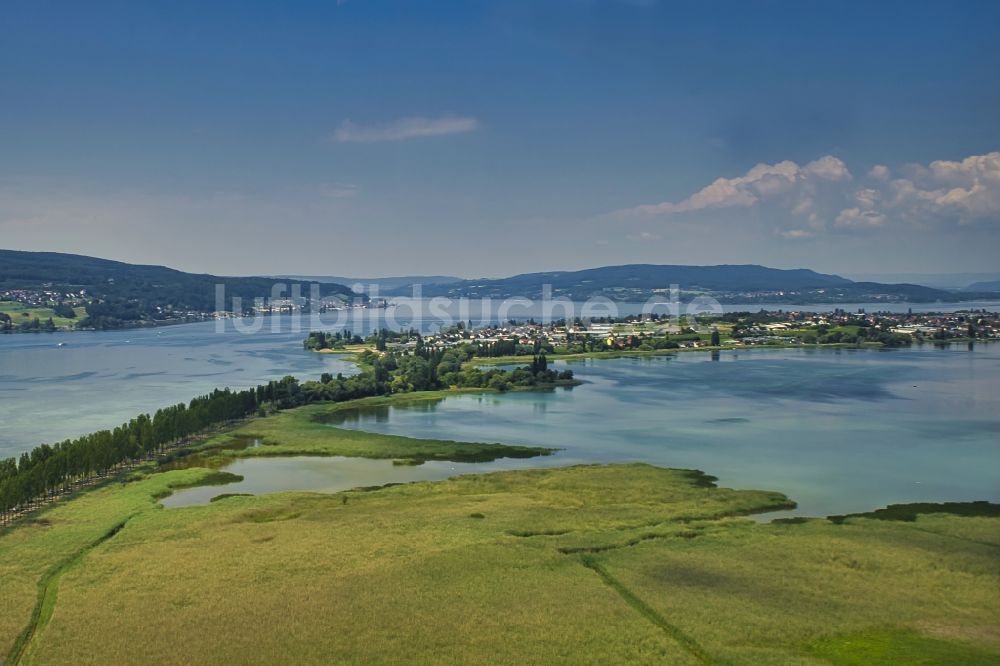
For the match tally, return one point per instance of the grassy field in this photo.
(36, 551)
(21, 313)
(589, 564)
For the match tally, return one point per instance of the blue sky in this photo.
(479, 138)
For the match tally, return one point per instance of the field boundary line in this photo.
(690, 645)
(48, 589)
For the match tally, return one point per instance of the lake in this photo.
(328, 474)
(101, 379)
(98, 380)
(837, 430)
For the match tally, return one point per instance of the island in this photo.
(653, 334)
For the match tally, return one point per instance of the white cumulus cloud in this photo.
(966, 191)
(786, 183)
(856, 217)
(822, 195)
(879, 172)
(796, 234)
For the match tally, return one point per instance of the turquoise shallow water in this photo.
(98, 380)
(837, 430)
(328, 475)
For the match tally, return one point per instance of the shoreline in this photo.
(921, 308)
(219, 447)
(626, 353)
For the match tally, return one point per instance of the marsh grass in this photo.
(899, 646)
(910, 512)
(219, 498)
(782, 587)
(32, 553)
(606, 564)
(208, 478)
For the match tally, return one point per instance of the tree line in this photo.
(32, 325)
(52, 469)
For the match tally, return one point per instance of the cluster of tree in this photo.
(49, 470)
(751, 319)
(864, 335)
(381, 338)
(887, 338)
(430, 369)
(32, 325)
(113, 313)
(317, 340)
(340, 388)
(65, 310)
(512, 347)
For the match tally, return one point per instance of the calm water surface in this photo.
(327, 475)
(837, 430)
(100, 379)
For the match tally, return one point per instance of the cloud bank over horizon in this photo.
(824, 196)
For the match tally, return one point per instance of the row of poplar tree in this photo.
(51, 469)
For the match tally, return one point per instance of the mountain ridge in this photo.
(117, 294)
(389, 282)
(730, 283)
(155, 287)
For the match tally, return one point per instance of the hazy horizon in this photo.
(957, 279)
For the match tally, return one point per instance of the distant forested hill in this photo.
(117, 293)
(381, 283)
(732, 283)
(989, 286)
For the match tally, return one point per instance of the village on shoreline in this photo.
(655, 333)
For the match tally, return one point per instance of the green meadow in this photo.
(601, 564)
